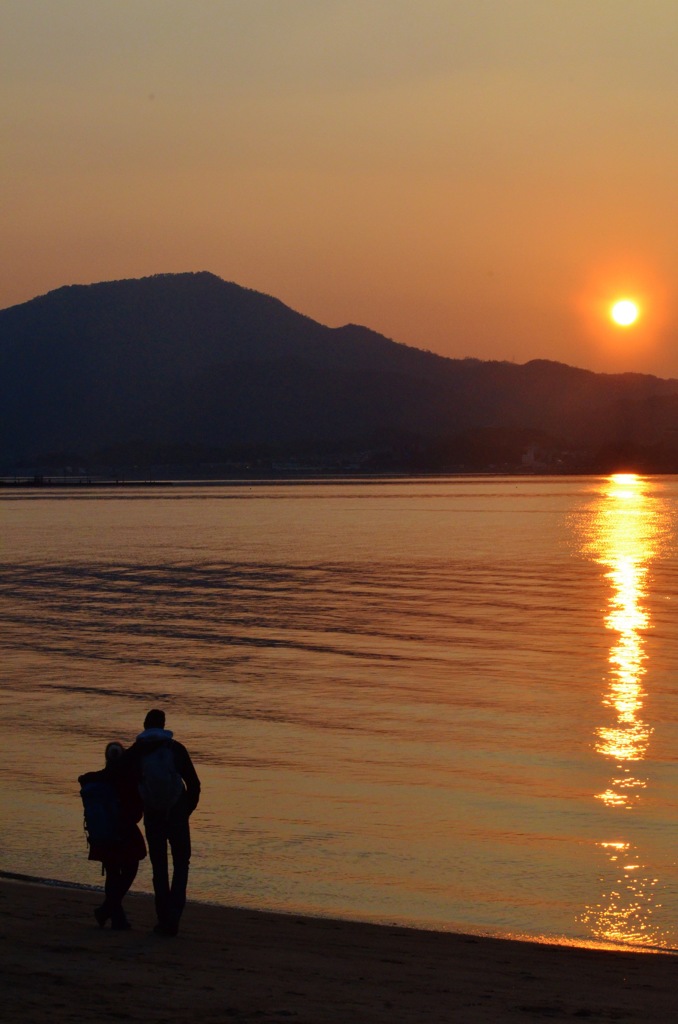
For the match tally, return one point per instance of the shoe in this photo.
(121, 924)
(166, 929)
(101, 916)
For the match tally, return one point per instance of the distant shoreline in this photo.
(55, 482)
(50, 482)
(58, 483)
(82, 482)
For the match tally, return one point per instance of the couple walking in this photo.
(155, 778)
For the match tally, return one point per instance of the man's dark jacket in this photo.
(148, 741)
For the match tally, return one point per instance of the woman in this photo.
(119, 857)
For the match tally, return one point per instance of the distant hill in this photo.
(191, 366)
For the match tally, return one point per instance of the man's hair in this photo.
(114, 750)
(155, 719)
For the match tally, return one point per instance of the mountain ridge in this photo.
(193, 360)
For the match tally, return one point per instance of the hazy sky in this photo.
(477, 177)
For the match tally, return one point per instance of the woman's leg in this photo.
(106, 909)
(125, 876)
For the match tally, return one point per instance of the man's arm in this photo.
(189, 775)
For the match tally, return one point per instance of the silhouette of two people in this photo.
(155, 778)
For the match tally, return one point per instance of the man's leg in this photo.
(179, 835)
(156, 837)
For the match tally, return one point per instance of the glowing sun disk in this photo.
(624, 312)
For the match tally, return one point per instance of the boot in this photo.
(102, 915)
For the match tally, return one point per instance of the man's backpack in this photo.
(101, 811)
(161, 784)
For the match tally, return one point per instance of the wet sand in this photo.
(242, 965)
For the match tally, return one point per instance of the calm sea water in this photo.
(449, 703)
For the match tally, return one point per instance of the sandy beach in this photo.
(242, 965)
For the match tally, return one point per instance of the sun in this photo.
(624, 312)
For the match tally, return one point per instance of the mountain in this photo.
(189, 362)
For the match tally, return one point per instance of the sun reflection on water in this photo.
(624, 536)
(625, 912)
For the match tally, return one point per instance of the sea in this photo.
(450, 703)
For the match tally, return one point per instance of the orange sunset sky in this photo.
(477, 177)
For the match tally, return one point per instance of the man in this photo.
(170, 790)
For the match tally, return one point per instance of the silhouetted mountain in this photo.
(190, 362)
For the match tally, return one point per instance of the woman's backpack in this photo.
(101, 805)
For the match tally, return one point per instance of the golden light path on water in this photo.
(624, 536)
